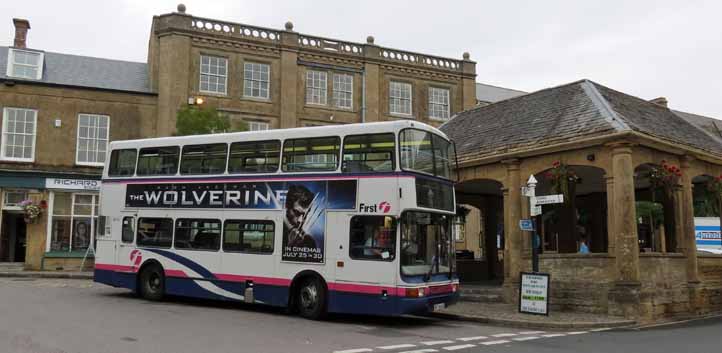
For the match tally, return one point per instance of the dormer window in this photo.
(25, 64)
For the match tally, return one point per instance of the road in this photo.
(43, 315)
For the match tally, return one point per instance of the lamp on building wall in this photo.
(196, 100)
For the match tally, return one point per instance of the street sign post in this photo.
(526, 225)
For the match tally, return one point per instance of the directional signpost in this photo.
(534, 287)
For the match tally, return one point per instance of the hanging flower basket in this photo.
(561, 176)
(31, 210)
(665, 177)
(714, 186)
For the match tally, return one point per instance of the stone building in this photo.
(631, 172)
(59, 111)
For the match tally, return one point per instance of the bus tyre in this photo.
(152, 282)
(311, 299)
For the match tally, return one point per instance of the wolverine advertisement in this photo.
(304, 204)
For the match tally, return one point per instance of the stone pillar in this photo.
(512, 233)
(611, 250)
(679, 220)
(372, 76)
(696, 296)
(624, 297)
(468, 82)
(289, 77)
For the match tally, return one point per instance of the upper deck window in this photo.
(204, 159)
(158, 160)
(424, 152)
(122, 162)
(254, 157)
(368, 153)
(312, 154)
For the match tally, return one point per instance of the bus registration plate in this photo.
(439, 306)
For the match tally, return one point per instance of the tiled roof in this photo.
(492, 94)
(710, 125)
(564, 114)
(84, 71)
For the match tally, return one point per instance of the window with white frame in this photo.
(257, 126)
(73, 221)
(400, 98)
(438, 103)
(343, 91)
(316, 87)
(93, 131)
(13, 198)
(18, 134)
(256, 80)
(214, 73)
(25, 64)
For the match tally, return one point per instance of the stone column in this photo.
(611, 236)
(289, 77)
(679, 220)
(624, 297)
(372, 74)
(696, 296)
(468, 82)
(512, 233)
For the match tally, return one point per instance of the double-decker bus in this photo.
(348, 219)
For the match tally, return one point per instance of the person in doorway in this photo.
(583, 247)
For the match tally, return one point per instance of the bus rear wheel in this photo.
(152, 282)
(311, 299)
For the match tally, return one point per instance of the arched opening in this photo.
(655, 189)
(579, 224)
(707, 203)
(480, 248)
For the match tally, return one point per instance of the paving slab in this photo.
(47, 274)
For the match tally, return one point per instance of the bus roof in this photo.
(299, 132)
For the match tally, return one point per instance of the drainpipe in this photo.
(363, 95)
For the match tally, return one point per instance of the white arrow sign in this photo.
(532, 181)
(548, 199)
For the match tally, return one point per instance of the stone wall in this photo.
(664, 290)
(579, 282)
(710, 275)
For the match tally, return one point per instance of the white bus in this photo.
(348, 219)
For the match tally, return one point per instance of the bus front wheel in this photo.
(311, 299)
(152, 282)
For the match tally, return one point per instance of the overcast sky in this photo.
(644, 48)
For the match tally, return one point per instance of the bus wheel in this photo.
(311, 299)
(152, 283)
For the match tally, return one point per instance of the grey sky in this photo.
(645, 48)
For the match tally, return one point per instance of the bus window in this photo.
(200, 234)
(368, 153)
(127, 231)
(157, 232)
(254, 157)
(248, 236)
(373, 238)
(158, 161)
(422, 151)
(204, 159)
(122, 162)
(313, 154)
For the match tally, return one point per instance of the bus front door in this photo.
(365, 264)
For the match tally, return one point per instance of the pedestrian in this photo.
(583, 247)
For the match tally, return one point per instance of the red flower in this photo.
(549, 175)
(556, 164)
(43, 204)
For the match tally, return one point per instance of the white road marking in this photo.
(428, 350)
(491, 343)
(554, 335)
(359, 350)
(531, 332)
(577, 332)
(397, 346)
(600, 329)
(520, 339)
(461, 346)
(433, 343)
(476, 338)
(504, 335)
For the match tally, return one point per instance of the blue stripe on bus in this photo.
(184, 261)
(709, 242)
(271, 177)
(706, 228)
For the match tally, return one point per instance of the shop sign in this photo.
(534, 293)
(72, 184)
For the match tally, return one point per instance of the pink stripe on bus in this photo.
(175, 273)
(195, 180)
(117, 268)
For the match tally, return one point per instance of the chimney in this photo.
(660, 101)
(21, 32)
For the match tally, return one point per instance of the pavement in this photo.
(69, 315)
